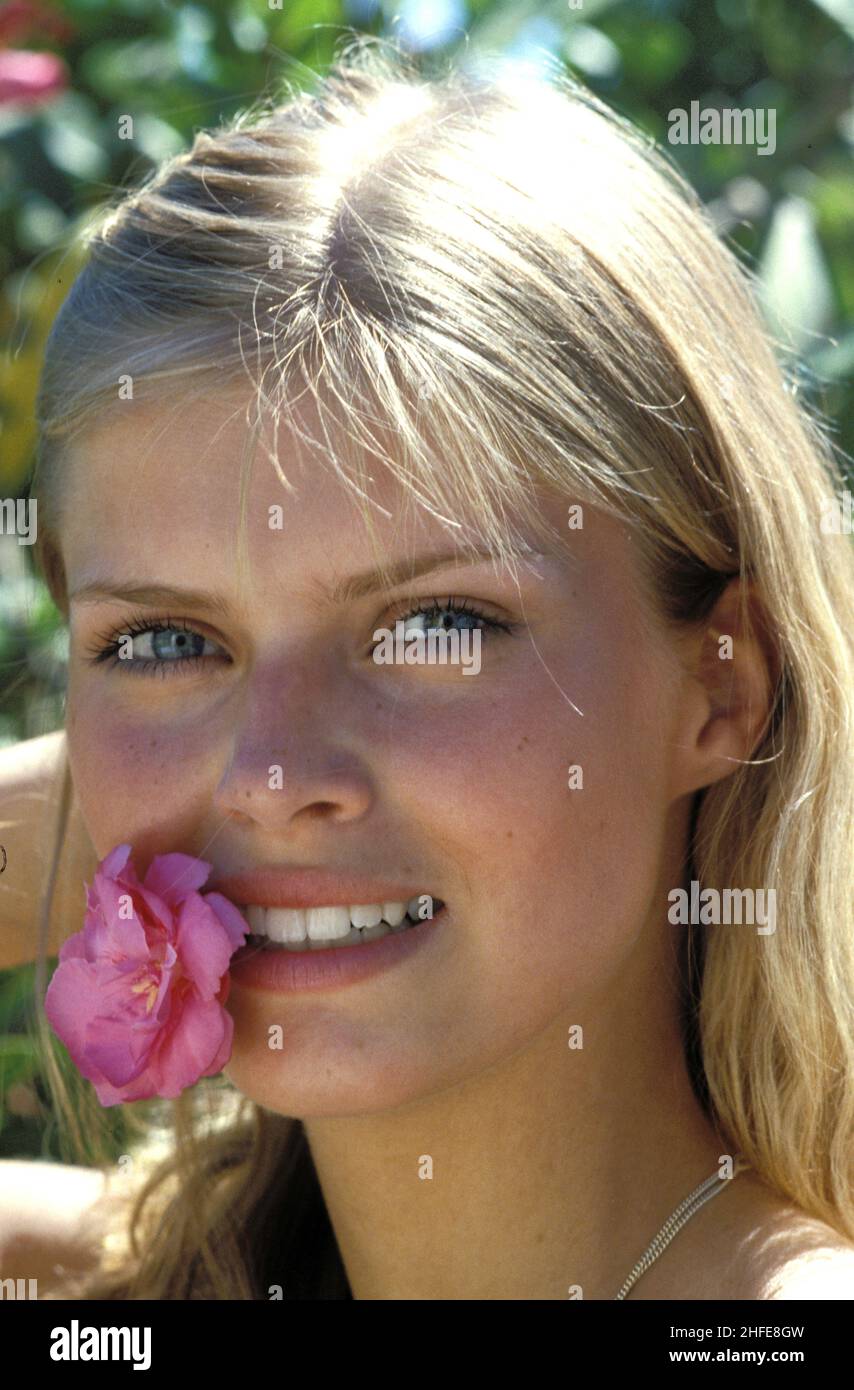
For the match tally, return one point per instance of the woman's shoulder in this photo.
(45, 1231)
(750, 1243)
(806, 1257)
(824, 1272)
(797, 1255)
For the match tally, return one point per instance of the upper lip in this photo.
(277, 886)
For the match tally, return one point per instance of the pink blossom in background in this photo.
(138, 995)
(28, 78)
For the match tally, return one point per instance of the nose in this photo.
(289, 763)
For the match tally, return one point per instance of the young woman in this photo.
(463, 354)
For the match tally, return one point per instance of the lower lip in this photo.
(290, 972)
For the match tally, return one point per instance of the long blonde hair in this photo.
(510, 278)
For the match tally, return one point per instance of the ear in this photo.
(731, 670)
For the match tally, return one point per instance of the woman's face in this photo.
(417, 773)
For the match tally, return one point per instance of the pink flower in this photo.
(30, 78)
(138, 993)
(27, 78)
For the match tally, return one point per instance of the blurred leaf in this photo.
(835, 361)
(195, 27)
(156, 139)
(72, 137)
(117, 69)
(18, 1058)
(40, 223)
(247, 28)
(18, 382)
(795, 287)
(16, 993)
(293, 24)
(834, 202)
(654, 56)
(28, 307)
(840, 10)
(592, 52)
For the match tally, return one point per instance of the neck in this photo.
(551, 1170)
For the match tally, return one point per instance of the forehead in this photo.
(155, 490)
(155, 456)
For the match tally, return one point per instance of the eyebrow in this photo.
(346, 591)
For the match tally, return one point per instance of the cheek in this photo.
(522, 773)
(138, 778)
(560, 876)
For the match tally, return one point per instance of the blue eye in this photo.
(168, 647)
(442, 615)
(177, 643)
(165, 647)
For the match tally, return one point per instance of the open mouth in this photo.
(325, 928)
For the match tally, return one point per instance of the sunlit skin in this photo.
(553, 1166)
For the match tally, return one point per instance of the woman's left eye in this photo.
(442, 615)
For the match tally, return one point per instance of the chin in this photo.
(325, 1085)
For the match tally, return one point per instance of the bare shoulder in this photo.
(822, 1268)
(46, 1214)
(790, 1254)
(753, 1244)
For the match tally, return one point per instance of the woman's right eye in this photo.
(162, 648)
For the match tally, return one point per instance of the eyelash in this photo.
(105, 647)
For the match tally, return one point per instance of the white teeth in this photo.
(366, 916)
(283, 924)
(327, 923)
(374, 933)
(257, 919)
(298, 928)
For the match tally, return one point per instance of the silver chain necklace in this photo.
(677, 1219)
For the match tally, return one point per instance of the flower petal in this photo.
(200, 1046)
(108, 931)
(101, 1022)
(236, 925)
(114, 863)
(203, 945)
(173, 876)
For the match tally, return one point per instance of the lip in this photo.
(333, 967)
(306, 886)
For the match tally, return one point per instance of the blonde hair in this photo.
(514, 251)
